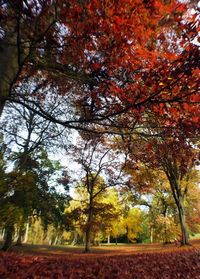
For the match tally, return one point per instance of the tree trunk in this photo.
(177, 194)
(26, 233)
(151, 235)
(75, 238)
(88, 227)
(11, 61)
(8, 67)
(108, 239)
(181, 212)
(2, 234)
(20, 235)
(88, 235)
(2, 104)
(55, 240)
(127, 232)
(9, 231)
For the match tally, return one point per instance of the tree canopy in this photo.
(125, 76)
(112, 60)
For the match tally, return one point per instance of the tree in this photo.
(106, 215)
(30, 41)
(191, 202)
(28, 135)
(29, 193)
(175, 153)
(162, 215)
(149, 187)
(132, 223)
(112, 224)
(110, 66)
(25, 129)
(96, 161)
(176, 169)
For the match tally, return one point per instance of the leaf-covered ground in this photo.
(183, 263)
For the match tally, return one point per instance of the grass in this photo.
(196, 236)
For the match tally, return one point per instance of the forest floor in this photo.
(134, 261)
(103, 250)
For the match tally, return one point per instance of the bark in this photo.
(151, 235)
(9, 231)
(20, 235)
(2, 104)
(55, 240)
(127, 232)
(26, 233)
(178, 197)
(75, 238)
(88, 227)
(8, 67)
(2, 234)
(181, 212)
(22, 231)
(88, 234)
(108, 239)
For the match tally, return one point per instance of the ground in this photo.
(139, 261)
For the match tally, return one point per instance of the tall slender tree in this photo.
(174, 153)
(102, 170)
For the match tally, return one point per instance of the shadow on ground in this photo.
(104, 250)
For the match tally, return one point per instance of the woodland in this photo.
(99, 136)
